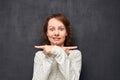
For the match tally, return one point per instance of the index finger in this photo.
(72, 47)
(39, 47)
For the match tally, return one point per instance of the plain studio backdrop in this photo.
(95, 26)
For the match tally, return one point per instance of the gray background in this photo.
(95, 25)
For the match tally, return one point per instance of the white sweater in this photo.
(58, 66)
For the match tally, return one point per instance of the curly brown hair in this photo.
(65, 21)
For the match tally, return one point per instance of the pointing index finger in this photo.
(72, 47)
(39, 47)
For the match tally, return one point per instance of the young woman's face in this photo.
(56, 32)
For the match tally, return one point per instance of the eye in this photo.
(61, 28)
(51, 29)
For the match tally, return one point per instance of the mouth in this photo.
(56, 39)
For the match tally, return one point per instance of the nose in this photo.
(56, 33)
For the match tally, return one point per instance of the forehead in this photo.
(55, 22)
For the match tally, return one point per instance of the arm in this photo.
(70, 66)
(42, 66)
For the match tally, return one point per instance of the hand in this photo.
(67, 49)
(47, 49)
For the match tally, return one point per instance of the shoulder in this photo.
(75, 53)
(39, 54)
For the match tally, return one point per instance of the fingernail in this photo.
(35, 46)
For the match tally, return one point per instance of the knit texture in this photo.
(57, 66)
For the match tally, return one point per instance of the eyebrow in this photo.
(58, 26)
(61, 26)
(50, 26)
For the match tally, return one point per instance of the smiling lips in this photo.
(56, 39)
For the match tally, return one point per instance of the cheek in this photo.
(49, 34)
(64, 36)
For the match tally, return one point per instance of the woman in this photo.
(58, 60)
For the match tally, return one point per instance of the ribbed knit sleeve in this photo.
(57, 66)
(42, 66)
(70, 66)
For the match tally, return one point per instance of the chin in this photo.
(56, 44)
